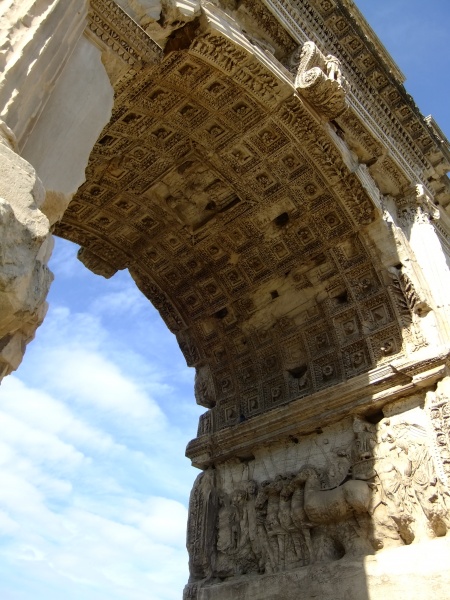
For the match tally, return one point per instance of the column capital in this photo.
(417, 207)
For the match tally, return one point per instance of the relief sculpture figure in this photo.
(297, 539)
(333, 515)
(245, 560)
(328, 506)
(268, 558)
(201, 528)
(252, 524)
(414, 498)
(274, 529)
(225, 520)
(379, 488)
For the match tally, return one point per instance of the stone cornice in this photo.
(338, 27)
(117, 30)
(363, 394)
(379, 48)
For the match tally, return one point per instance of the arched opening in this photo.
(265, 252)
(94, 430)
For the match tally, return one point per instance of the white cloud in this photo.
(39, 410)
(86, 377)
(162, 518)
(127, 298)
(92, 472)
(74, 362)
(8, 526)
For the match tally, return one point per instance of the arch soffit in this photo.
(227, 198)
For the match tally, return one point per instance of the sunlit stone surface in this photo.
(275, 193)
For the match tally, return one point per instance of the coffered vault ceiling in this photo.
(225, 196)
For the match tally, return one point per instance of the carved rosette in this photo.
(319, 80)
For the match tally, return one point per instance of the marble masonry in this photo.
(260, 170)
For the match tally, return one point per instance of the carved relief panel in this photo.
(354, 489)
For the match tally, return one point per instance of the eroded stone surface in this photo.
(160, 18)
(281, 201)
(26, 245)
(354, 489)
(61, 141)
(37, 37)
(404, 574)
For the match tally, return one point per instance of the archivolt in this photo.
(228, 200)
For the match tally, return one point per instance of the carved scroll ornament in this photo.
(319, 80)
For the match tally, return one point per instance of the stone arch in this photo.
(217, 186)
(248, 180)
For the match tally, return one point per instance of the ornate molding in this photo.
(319, 79)
(370, 391)
(438, 408)
(417, 207)
(115, 29)
(383, 106)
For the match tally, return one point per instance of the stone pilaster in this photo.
(416, 215)
(37, 38)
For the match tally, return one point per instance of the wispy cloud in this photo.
(64, 505)
(93, 501)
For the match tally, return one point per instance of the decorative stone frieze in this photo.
(351, 490)
(112, 25)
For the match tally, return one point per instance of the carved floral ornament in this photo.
(417, 207)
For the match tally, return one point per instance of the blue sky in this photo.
(93, 501)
